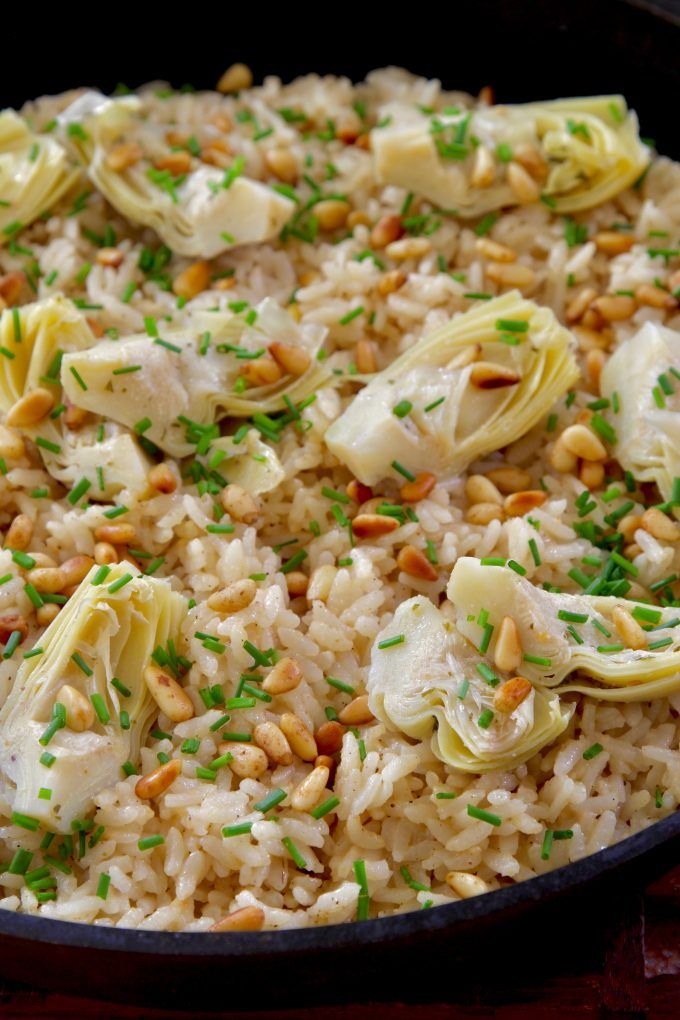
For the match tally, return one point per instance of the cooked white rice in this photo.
(388, 814)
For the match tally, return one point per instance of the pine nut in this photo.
(358, 218)
(495, 251)
(532, 160)
(294, 360)
(123, 156)
(591, 319)
(11, 285)
(629, 525)
(465, 884)
(514, 275)
(19, 533)
(415, 563)
(329, 737)
(580, 441)
(615, 307)
(116, 534)
(263, 371)
(631, 551)
(192, 281)
(297, 583)
(104, 552)
(236, 78)
(466, 356)
(357, 713)
(112, 257)
(158, 781)
(301, 740)
(321, 582)
(591, 473)
(162, 478)
(218, 153)
(79, 710)
(176, 162)
(595, 361)
(245, 919)
(76, 568)
(75, 417)
(273, 742)
(348, 127)
(308, 793)
(239, 504)
(592, 339)
(282, 163)
(11, 622)
(168, 695)
(387, 229)
(408, 248)
(629, 629)
(561, 458)
(522, 184)
(484, 513)
(364, 357)
(12, 446)
(236, 596)
(483, 168)
(486, 96)
(413, 492)
(509, 479)
(645, 294)
(47, 579)
(480, 489)
(520, 503)
(508, 651)
(30, 409)
(326, 761)
(359, 492)
(285, 676)
(613, 242)
(46, 614)
(659, 526)
(247, 762)
(579, 304)
(391, 281)
(511, 694)
(373, 525)
(332, 213)
(485, 375)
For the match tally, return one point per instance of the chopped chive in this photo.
(398, 639)
(119, 583)
(535, 555)
(294, 853)
(100, 708)
(272, 799)
(149, 842)
(403, 408)
(593, 751)
(537, 660)
(403, 471)
(483, 816)
(325, 808)
(236, 830)
(340, 685)
(100, 575)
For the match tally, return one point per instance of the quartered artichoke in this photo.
(429, 684)
(648, 421)
(191, 374)
(36, 337)
(199, 214)
(552, 651)
(35, 171)
(579, 153)
(474, 385)
(101, 634)
(249, 462)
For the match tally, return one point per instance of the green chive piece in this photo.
(483, 816)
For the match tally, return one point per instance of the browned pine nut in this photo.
(47, 579)
(125, 155)
(480, 489)
(364, 357)
(239, 504)
(591, 473)
(614, 307)
(629, 629)
(465, 884)
(532, 160)
(408, 248)
(293, 360)
(245, 919)
(109, 257)
(301, 740)
(236, 596)
(263, 371)
(46, 614)
(484, 513)
(30, 409)
(248, 762)
(357, 713)
(613, 242)
(10, 622)
(329, 737)
(415, 563)
(308, 793)
(522, 184)
(297, 583)
(332, 213)
(494, 250)
(508, 651)
(116, 534)
(645, 294)
(282, 163)
(104, 552)
(19, 533)
(273, 742)
(285, 676)
(487, 376)
(391, 281)
(79, 709)
(193, 280)
(561, 458)
(483, 168)
(76, 568)
(511, 694)
(236, 78)
(75, 417)
(579, 304)
(413, 492)
(176, 162)
(659, 525)
(520, 503)
(172, 699)
(11, 285)
(583, 443)
(12, 445)
(162, 478)
(387, 229)
(158, 781)
(373, 525)
(509, 479)
(513, 275)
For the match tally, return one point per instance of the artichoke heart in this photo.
(648, 422)
(547, 623)
(575, 153)
(200, 213)
(35, 171)
(478, 383)
(37, 337)
(247, 462)
(101, 634)
(187, 379)
(429, 685)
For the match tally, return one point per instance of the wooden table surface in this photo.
(636, 976)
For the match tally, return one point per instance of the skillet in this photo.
(527, 51)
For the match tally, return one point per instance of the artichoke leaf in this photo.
(35, 171)
(445, 435)
(197, 214)
(428, 686)
(193, 381)
(589, 148)
(114, 634)
(622, 673)
(249, 463)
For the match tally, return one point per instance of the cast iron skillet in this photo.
(527, 51)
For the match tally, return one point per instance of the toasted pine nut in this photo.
(10, 288)
(30, 409)
(631, 551)
(659, 526)
(373, 525)
(263, 371)
(388, 229)
(595, 361)
(19, 533)
(511, 694)
(364, 357)
(348, 127)
(508, 651)
(162, 478)
(480, 489)
(247, 761)
(245, 919)
(236, 596)
(75, 417)
(235, 78)
(466, 884)
(307, 793)
(332, 213)
(79, 710)
(413, 492)
(522, 184)
(579, 304)
(580, 441)
(47, 579)
(484, 513)
(76, 568)
(282, 163)
(239, 504)
(125, 155)
(647, 294)
(12, 445)
(629, 629)
(176, 162)
(172, 699)
(285, 676)
(408, 248)
(321, 582)
(591, 473)
(561, 458)
(614, 307)
(629, 525)
(514, 275)
(10, 622)
(592, 339)
(485, 375)
(158, 781)
(301, 741)
(613, 242)
(217, 153)
(104, 552)
(390, 281)
(297, 583)
(520, 503)
(326, 761)
(192, 280)
(532, 160)
(116, 534)
(45, 614)
(359, 492)
(273, 742)
(509, 479)
(329, 737)
(591, 319)
(109, 257)
(495, 251)
(292, 359)
(357, 713)
(483, 168)
(415, 563)
(486, 96)
(358, 218)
